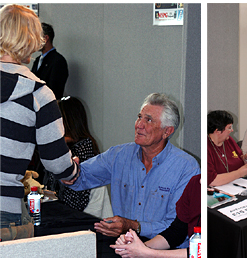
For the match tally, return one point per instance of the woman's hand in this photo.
(244, 157)
(243, 170)
(121, 240)
(71, 182)
(130, 246)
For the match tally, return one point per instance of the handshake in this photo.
(71, 182)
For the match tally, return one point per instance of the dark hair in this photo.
(75, 120)
(48, 30)
(218, 119)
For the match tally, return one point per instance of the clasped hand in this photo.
(129, 245)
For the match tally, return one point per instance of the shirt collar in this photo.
(45, 54)
(161, 156)
(164, 153)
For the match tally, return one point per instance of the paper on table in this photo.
(232, 189)
(236, 212)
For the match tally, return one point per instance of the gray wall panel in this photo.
(223, 59)
(117, 57)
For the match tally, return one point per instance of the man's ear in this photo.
(217, 132)
(168, 131)
(46, 37)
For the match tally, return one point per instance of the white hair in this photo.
(170, 114)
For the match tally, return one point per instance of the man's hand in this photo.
(118, 226)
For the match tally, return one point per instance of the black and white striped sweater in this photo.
(29, 115)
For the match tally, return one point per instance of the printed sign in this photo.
(32, 6)
(168, 14)
(236, 212)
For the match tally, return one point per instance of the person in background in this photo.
(244, 143)
(82, 144)
(226, 161)
(147, 176)
(28, 111)
(51, 66)
(188, 216)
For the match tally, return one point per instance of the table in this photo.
(226, 238)
(57, 218)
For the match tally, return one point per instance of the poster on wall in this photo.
(32, 6)
(168, 14)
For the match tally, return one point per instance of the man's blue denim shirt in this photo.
(149, 198)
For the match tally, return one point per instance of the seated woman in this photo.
(226, 161)
(244, 143)
(188, 210)
(82, 144)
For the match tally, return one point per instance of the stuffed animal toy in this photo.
(29, 181)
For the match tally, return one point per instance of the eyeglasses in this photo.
(230, 128)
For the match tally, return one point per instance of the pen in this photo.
(240, 186)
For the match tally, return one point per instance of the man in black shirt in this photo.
(51, 66)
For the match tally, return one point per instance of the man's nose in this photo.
(140, 123)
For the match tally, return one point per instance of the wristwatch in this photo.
(138, 231)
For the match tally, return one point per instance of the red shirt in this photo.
(215, 163)
(188, 207)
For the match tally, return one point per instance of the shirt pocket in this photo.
(156, 206)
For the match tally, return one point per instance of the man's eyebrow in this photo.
(145, 115)
(149, 116)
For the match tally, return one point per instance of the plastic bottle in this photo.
(34, 205)
(195, 243)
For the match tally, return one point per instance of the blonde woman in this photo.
(28, 111)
